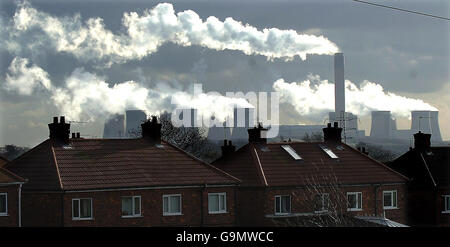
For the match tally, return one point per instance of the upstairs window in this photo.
(82, 209)
(131, 206)
(354, 200)
(217, 203)
(172, 204)
(446, 204)
(291, 151)
(3, 204)
(322, 203)
(390, 199)
(283, 204)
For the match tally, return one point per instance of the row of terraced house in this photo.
(147, 181)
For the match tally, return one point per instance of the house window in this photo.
(354, 200)
(3, 204)
(322, 202)
(82, 209)
(172, 204)
(283, 204)
(390, 199)
(217, 203)
(446, 204)
(131, 206)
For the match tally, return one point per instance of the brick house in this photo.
(429, 188)
(301, 179)
(121, 182)
(10, 198)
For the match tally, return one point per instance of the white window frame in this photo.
(79, 209)
(446, 206)
(275, 205)
(168, 206)
(224, 194)
(392, 199)
(324, 208)
(134, 214)
(357, 201)
(6, 203)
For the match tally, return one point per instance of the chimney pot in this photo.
(62, 119)
(227, 149)
(55, 120)
(152, 130)
(78, 135)
(332, 134)
(73, 135)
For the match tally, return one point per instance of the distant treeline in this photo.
(11, 151)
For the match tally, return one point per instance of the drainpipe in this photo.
(377, 187)
(20, 205)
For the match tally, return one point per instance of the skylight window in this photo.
(329, 152)
(292, 152)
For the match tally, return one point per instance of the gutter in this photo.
(20, 205)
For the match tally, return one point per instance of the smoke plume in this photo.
(313, 98)
(143, 34)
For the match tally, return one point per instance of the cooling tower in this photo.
(381, 124)
(114, 127)
(134, 119)
(339, 85)
(426, 122)
(243, 118)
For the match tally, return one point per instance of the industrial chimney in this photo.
(426, 122)
(339, 86)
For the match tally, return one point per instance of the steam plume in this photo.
(144, 34)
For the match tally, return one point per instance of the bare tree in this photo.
(190, 139)
(12, 151)
(313, 137)
(323, 202)
(377, 152)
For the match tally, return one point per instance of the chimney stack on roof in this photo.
(332, 134)
(227, 148)
(422, 142)
(257, 134)
(151, 129)
(59, 132)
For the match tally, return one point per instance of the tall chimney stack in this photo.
(339, 86)
(151, 130)
(59, 132)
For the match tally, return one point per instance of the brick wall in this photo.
(442, 218)
(251, 214)
(41, 209)
(11, 219)
(107, 208)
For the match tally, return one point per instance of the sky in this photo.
(89, 59)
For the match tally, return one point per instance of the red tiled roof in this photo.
(9, 177)
(278, 168)
(3, 161)
(113, 163)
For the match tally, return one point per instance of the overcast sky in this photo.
(394, 60)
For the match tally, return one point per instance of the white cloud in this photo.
(23, 78)
(144, 34)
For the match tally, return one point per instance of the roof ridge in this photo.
(57, 167)
(428, 170)
(26, 153)
(261, 170)
(203, 162)
(13, 175)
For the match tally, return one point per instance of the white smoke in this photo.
(91, 41)
(87, 96)
(24, 79)
(315, 96)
